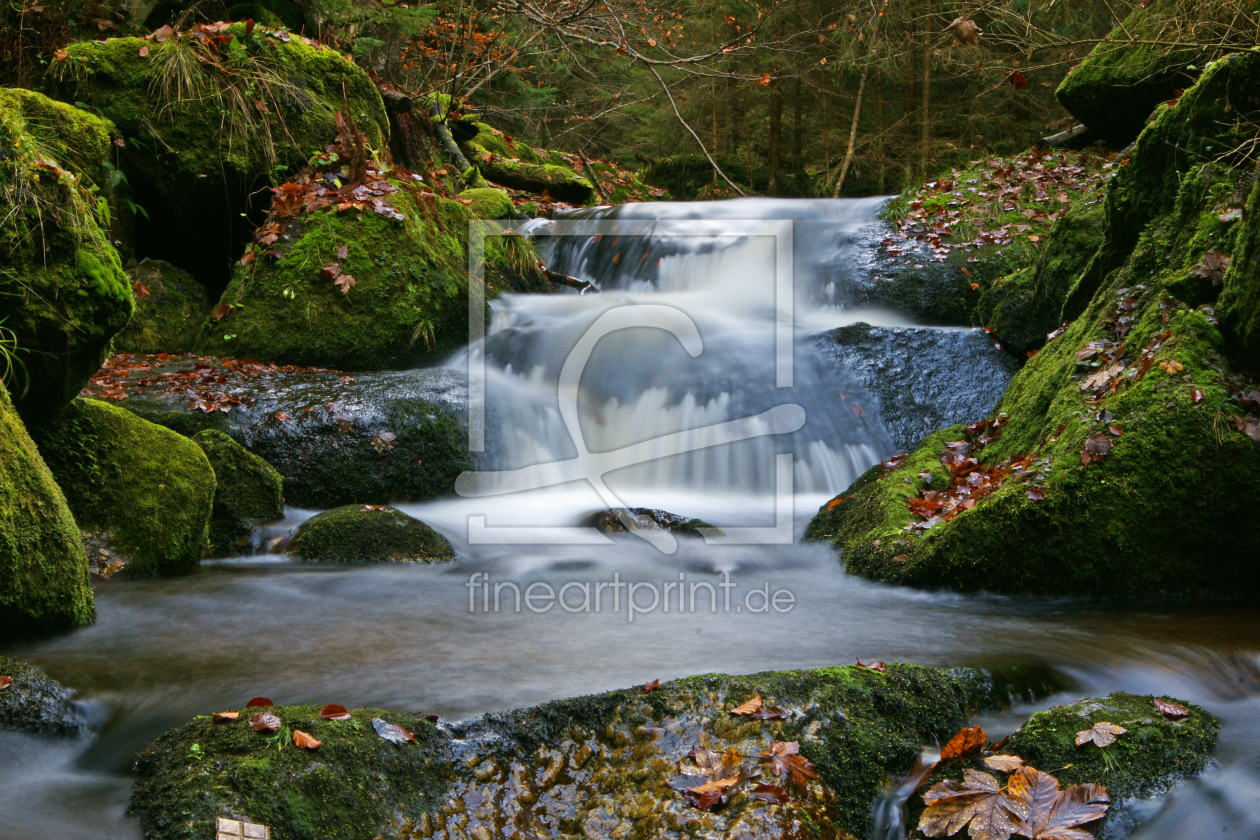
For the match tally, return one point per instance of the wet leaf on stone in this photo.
(785, 758)
(649, 687)
(873, 666)
(392, 732)
(226, 717)
(334, 712)
(978, 802)
(1172, 711)
(769, 793)
(258, 702)
(748, 708)
(305, 741)
(1004, 763)
(1054, 814)
(5, 682)
(1101, 733)
(343, 421)
(264, 722)
(771, 713)
(967, 742)
(383, 441)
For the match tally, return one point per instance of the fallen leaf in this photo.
(345, 282)
(282, 417)
(375, 507)
(1004, 763)
(785, 757)
(873, 666)
(978, 802)
(1197, 396)
(1172, 711)
(264, 722)
(344, 422)
(334, 712)
(968, 741)
(61, 55)
(330, 270)
(258, 702)
(1213, 267)
(1036, 493)
(649, 687)
(1101, 733)
(305, 741)
(392, 732)
(1054, 814)
(769, 793)
(1097, 447)
(226, 717)
(5, 682)
(343, 252)
(748, 708)
(771, 713)
(383, 441)
(144, 51)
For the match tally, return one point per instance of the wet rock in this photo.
(368, 534)
(169, 309)
(141, 491)
(598, 765)
(1129, 483)
(923, 378)
(248, 491)
(322, 430)
(1151, 757)
(43, 573)
(610, 521)
(36, 704)
(63, 294)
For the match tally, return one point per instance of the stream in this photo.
(428, 638)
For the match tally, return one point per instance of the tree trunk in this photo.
(925, 123)
(853, 127)
(776, 138)
(798, 132)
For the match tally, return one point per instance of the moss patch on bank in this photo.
(146, 488)
(368, 534)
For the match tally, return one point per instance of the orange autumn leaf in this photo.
(305, 741)
(751, 707)
(969, 741)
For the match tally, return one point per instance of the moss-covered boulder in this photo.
(63, 293)
(247, 491)
(596, 766)
(368, 534)
(611, 521)
(33, 702)
(210, 116)
(409, 301)
(1239, 305)
(1148, 758)
(141, 494)
(43, 573)
(1125, 465)
(488, 203)
(170, 309)
(1114, 90)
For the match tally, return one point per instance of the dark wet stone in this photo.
(35, 703)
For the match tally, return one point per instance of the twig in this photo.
(685, 125)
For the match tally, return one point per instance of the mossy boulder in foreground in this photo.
(43, 573)
(1142, 380)
(36, 704)
(208, 126)
(368, 534)
(247, 491)
(170, 308)
(63, 293)
(141, 494)
(596, 766)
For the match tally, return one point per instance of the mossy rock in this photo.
(248, 491)
(145, 491)
(1168, 508)
(1114, 90)
(518, 166)
(609, 522)
(368, 534)
(35, 703)
(489, 203)
(193, 160)
(409, 304)
(169, 312)
(43, 572)
(63, 294)
(588, 763)
(1148, 759)
(1239, 305)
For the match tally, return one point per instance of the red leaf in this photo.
(259, 702)
(334, 712)
(649, 687)
(1172, 711)
(769, 793)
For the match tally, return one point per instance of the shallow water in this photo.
(420, 638)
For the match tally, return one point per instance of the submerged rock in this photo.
(43, 573)
(1126, 462)
(609, 521)
(924, 378)
(170, 307)
(248, 491)
(63, 294)
(141, 493)
(368, 534)
(323, 431)
(596, 766)
(34, 703)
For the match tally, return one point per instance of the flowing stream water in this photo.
(422, 638)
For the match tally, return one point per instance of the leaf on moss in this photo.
(1004, 763)
(258, 702)
(1172, 711)
(1054, 814)
(226, 717)
(392, 732)
(748, 708)
(967, 742)
(649, 687)
(978, 802)
(334, 712)
(264, 722)
(1101, 733)
(305, 741)
(5, 682)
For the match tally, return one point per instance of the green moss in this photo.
(248, 491)
(1240, 301)
(489, 203)
(362, 534)
(558, 183)
(147, 488)
(169, 315)
(43, 572)
(62, 290)
(1168, 508)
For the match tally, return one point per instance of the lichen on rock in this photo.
(368, 534)
(248, 491)
(147, 489)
